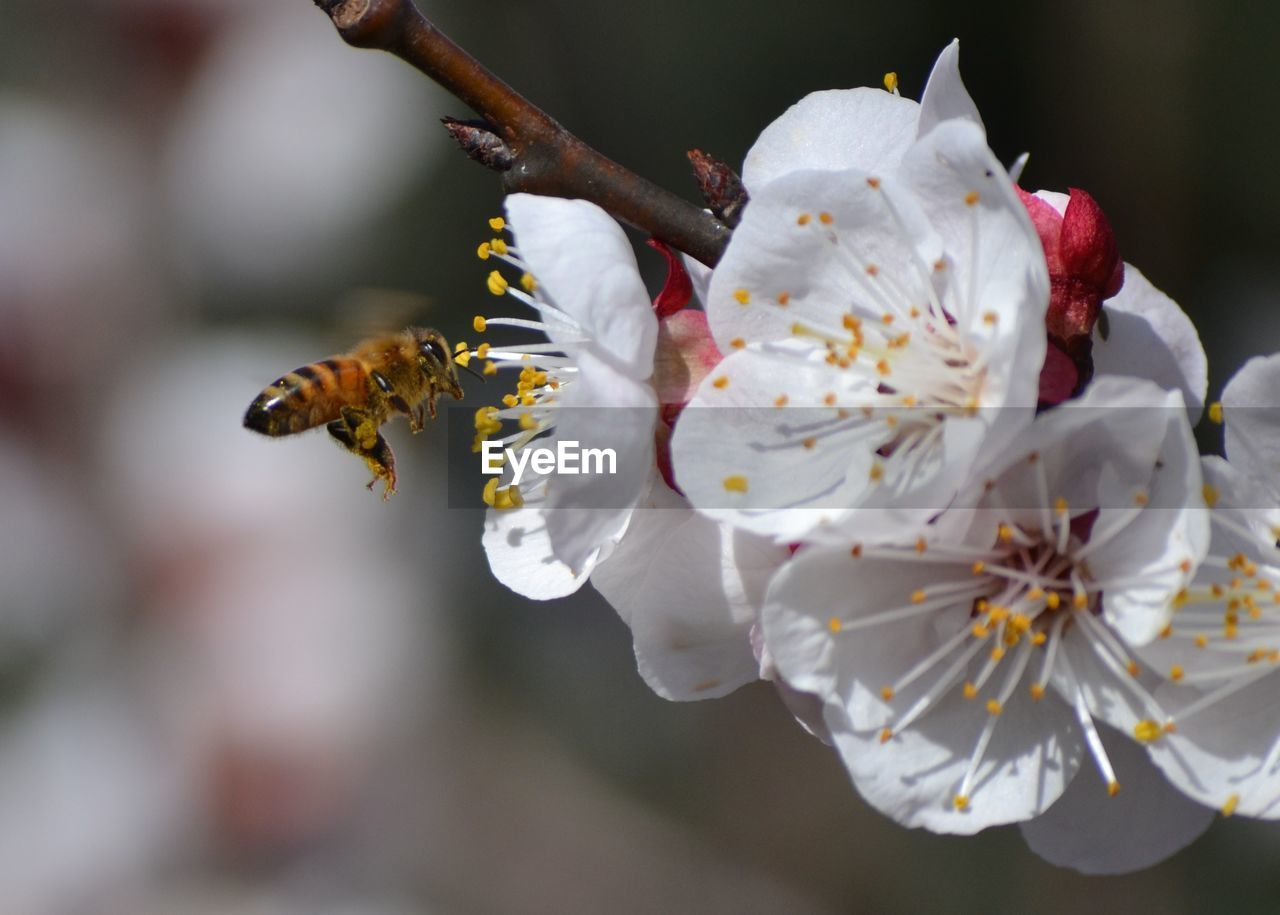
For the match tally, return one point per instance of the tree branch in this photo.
(544, 157)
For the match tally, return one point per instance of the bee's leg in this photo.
(382, 464)
(356, 432)
(431, 403)
(415, 422)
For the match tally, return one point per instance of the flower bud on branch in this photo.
(541, 156)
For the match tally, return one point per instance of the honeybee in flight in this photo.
(355, 393)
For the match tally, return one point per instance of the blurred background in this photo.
(233, 681)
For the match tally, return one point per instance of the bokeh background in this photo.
(233, 681)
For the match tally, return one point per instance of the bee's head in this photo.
(436, 362)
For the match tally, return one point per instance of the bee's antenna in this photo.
(470, 370)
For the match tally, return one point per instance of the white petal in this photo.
(1151, 337)
(734, 430)
(699, 276)
(834, 129)
(1219, 753)
(1250, 411)
(602, 410)
(999, 290)
(520, 555)
(584, 264)
(690, 590)
(945, 96)
(773, 253)
(1162, 545)
(1098, 834)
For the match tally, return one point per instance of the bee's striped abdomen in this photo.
(308, 397)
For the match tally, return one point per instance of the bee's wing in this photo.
(366, 311)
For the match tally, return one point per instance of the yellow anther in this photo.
(1037, 691)
(1113, 788)
(1202, 641)
(825, 218)
(891, 82)
(873, 183)
(497, 283)
(1215, 412)
(971, 198)
(1039, 638)
(1176, 672)
(1060, 505)
(528, 422)
(886, 693)
(490, 368)
(918, 596)
(1147, 731)
(997, 653)
(921, 545)
(979, 631)
(781, 400)
(877, 472)
(886, 735)
(829, 398)
(1020, 622)
(961, 801)
(784, 298)
(527, 282)
(735, 483)
(1004, 533)
(486, 419)
(482, 252)
(1132, 668)
(498, 245)
(1230, 804)
(856, 551)
(1140, 499)
(970, 691)
(497, 223)
(978, 567)
(502, 499)
(872, 269)
(463, 358)
(1166, 632)
(721, 383)
(737, 343)
(834, 624)
(994, 707)
(1035, 593)
(482, 351)
(803, 219)
(1080, 600)
(810, 443)
(742, 296)
(883, 366)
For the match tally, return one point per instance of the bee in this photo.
(353, 394)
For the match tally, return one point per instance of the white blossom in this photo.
(894, 288)
(965, 677)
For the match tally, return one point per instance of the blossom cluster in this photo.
(899, 466)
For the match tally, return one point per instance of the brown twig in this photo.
(544, 157)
